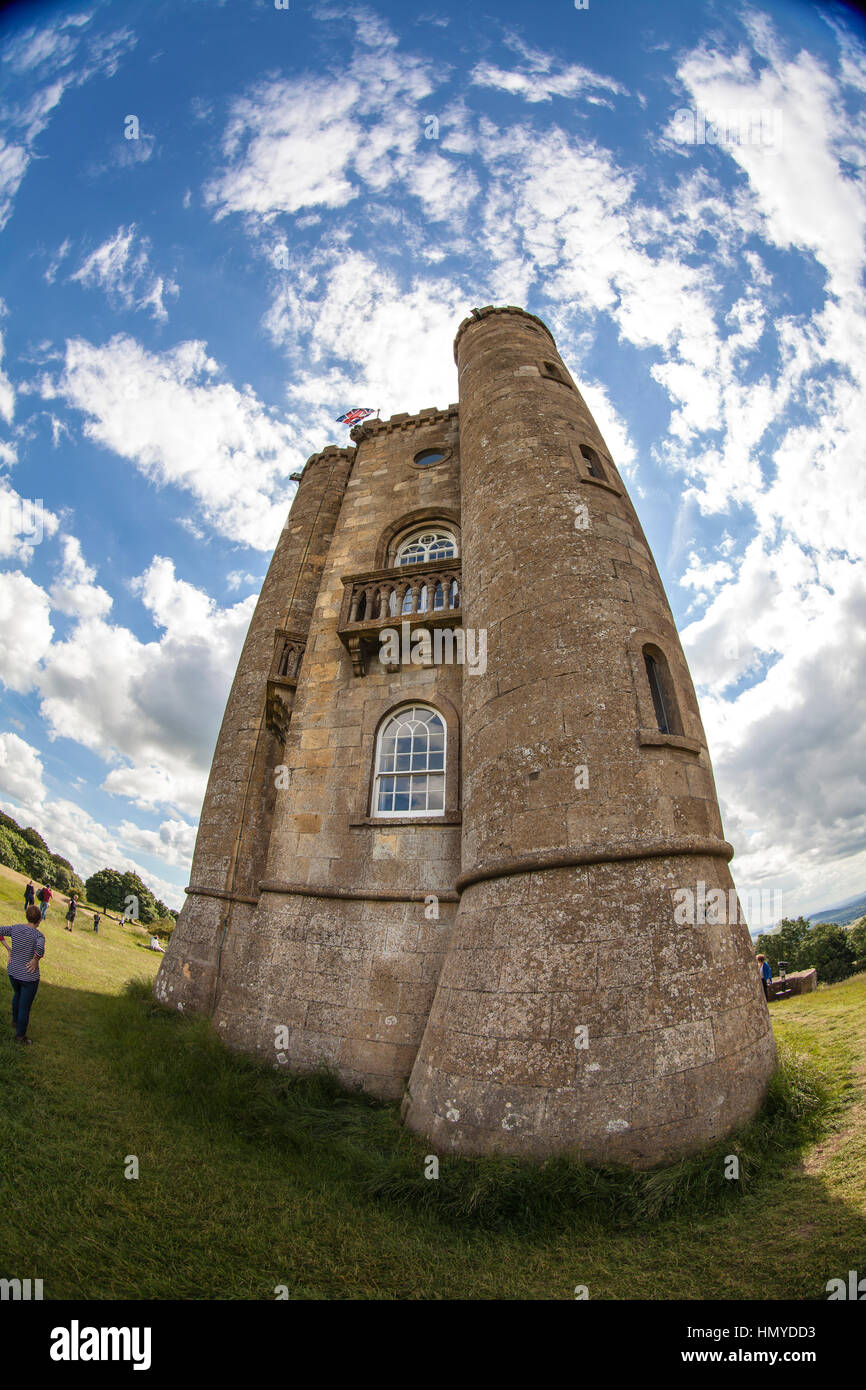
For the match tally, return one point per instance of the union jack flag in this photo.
(352, 417)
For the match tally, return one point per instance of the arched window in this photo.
(432, 543)
(410, 764)
(593, 462)
(662, 691)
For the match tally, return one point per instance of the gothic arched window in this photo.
(662, 691)
(432, 543)
(410, 764)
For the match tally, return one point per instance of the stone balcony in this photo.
(425, 596)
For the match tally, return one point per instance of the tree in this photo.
(857, 940)
(34, 838)
(37, 863)
(146, 909)
(105, 888)
(786, 944)
(9, 849)
(62, 878)
(830, 951)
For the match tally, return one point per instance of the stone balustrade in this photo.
(427, 595)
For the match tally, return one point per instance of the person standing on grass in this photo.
(70, 912)
(766, 975)
(96, 922)
(44, 895)
(29, 895)
(25, 953)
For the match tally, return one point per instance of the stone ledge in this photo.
(654, 738)
(383, 823)
(601, 482)
(313, 890)
(219, 893)
(568, 859)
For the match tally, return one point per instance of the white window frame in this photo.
(404, 714)
(413, 536)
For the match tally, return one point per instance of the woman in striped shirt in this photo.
(25, 953)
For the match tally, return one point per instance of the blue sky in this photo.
(223, 225)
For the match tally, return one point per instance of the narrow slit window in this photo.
(656, 685)
(553, 369)
(593, 462)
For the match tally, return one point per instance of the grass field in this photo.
(248, 1181)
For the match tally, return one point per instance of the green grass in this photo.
(249, 1179)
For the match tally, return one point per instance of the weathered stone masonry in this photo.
(553, 1003)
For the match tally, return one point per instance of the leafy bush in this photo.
(857, 939)
(9, 848)
(163, 927)
(37, 863)
(830, 951)
(34, 838)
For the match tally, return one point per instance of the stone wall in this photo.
(342, 950)
(519, 960)
(573, 1010)
(800, 982)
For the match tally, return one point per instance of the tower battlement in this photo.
(454, 882)
(430, 415)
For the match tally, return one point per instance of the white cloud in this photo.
(152, 709)
(125, 273)
(20, 770)
(541, 77)
(237, 579)
(24, 522)
(179, 424)
(72, 832)
(7, 391)
(25, 630)
(397, 345)
(806, 197)
(74, 591)
(787, 749)
(705, 576)
(173, 842)
(314, 142)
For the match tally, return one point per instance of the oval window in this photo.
(428, 456)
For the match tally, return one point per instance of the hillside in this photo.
(844, 914)
(245, 1183)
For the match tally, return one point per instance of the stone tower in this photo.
(460, 882)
